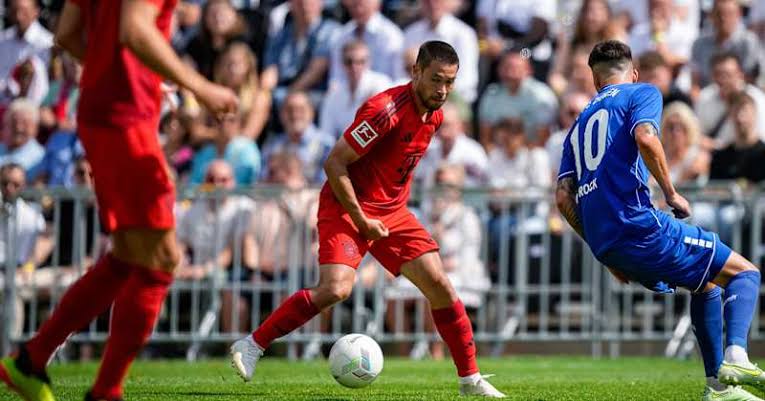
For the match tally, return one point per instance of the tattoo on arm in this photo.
(646, 129)
(566, 195)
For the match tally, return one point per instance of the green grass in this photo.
(522, 378)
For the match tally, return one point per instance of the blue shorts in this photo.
(676, 255)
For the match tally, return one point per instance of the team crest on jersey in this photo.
(364, 134)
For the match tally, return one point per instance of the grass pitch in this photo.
(522, 378)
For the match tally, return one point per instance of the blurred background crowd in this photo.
(301, 68)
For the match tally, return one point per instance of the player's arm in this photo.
(336, 167)
(139, 33)
(647, 139)
(70, 35)
(565, 198)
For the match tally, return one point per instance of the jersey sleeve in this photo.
(567, 163)
(373, 121)
(646, 105)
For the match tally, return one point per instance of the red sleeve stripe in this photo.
(391, 111)
(386, 111)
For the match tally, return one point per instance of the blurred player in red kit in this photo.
(362, 209)
(123, 45)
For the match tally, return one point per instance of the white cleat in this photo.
(245, 354)
(481, 388)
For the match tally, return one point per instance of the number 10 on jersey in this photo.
(591, 159)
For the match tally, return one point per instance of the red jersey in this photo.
(116, 88)
(391, 138)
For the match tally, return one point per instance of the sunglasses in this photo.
(356, 61)
(217, 180)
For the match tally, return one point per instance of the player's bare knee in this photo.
(334, 292)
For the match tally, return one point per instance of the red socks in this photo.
(454, 326)
(290, 315)
(87, 298)
(133, 316)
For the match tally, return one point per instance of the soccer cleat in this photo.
(245, 354)
(737, 375)
(16, 374)
(89, 397)
(732, 393)
(481, 388)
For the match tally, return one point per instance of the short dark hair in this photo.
(723, 56)
(610, 55)
(436, 50)
(651, 60)
(512, 125)
(7, 167)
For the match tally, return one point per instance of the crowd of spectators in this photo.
(302, 67)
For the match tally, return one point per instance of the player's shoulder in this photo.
(388, 102)
(389, 95)
(643, 89)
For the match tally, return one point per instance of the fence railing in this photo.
(521, 272)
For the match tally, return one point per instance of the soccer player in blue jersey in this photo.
(603, 193)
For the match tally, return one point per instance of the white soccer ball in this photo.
(355, 360)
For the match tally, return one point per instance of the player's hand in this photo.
(373, 229)
(619, 276)
(680, 207)
(219, 100)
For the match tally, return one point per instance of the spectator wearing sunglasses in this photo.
(208, 231)
(346, 96)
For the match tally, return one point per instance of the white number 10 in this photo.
(591, 161)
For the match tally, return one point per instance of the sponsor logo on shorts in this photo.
(364, 134)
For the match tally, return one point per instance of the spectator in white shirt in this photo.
(714, 100)
(26, 39)
(30, 241)
(346, 96)
(517, 95)
(513, 165)
(208, 231)
(664, 32)
(438, 23)
(452, 146)
(384, 38)
(518, 24)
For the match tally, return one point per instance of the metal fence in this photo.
(542, 284)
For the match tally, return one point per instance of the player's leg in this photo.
(451, 320)
(153, 255)
(335, 285)
(87, 298)
(741, 281)
(707, 321)
(136, 200)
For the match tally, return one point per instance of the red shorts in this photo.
(132, 180)
(341, 243)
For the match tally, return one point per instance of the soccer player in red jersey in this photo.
(124, 47)
(362, 209)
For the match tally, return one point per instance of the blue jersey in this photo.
(600, 152)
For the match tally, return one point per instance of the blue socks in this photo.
(740, 300)
(706, 318)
